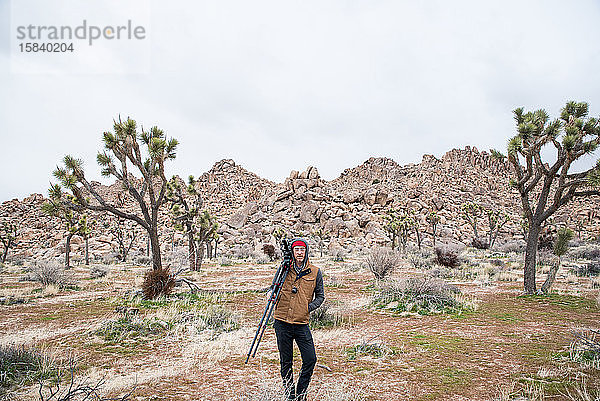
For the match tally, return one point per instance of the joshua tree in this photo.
(185, 207)
(8, 236)
(399, 224)
(123, 152)
(433, 219)
(320, 236)
(75, 222)
(544, 187)
(496, 220)
(472, 212)
(561, 245)
(199, 226)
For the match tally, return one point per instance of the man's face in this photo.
(299, 254)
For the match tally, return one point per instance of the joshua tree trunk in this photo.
(192, 252)
(87, 252)
(209, 249)
(551, 277)
(199, 256)
(530, 258)
(68, 250)
(4, 253)
(155, 245)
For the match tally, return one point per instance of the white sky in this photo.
(281, 85)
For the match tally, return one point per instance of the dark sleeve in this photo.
(319, 293)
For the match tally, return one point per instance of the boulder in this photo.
(240, 217)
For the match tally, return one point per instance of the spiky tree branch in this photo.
(121, 151)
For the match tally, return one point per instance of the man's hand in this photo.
(269, 295)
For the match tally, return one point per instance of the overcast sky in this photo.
(281, 85)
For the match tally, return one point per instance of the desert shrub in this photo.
(157, 282)
(382, 262)
(447, 255)
(12, 300)
(98, 271)
(241, 251)
(110, 258)
(585, 348)
(219, 319)
(142, 260)
(587, 270)
(269, 250)
(260, 258)
(48, 272)
(516, 246)
(15, 260)
(589, 251)
(507, 276)
(419, 259)
(370, 348)
(334, 281)
(225, 261)
(178, 257)
(23, 365)
(480, 243)
(339, 255)
(326, 317)
(424, 296)
(130, 327)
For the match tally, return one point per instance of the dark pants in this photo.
(286, 334)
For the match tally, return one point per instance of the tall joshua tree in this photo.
(125, 149)
(544, 187)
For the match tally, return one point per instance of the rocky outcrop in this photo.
(350, 208)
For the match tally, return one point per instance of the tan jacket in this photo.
(293, 308)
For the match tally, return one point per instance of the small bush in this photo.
(98, 271)
(587, 270)
(382, 262)
(110, 258)
(269, 250)
(260, 258)
(585, 349)
(130, 327)
(369, 348)
(507, 276)
(513, 246)
(447, 255)
(419, 259)
(595, 285)
(424, 296)
(157, 282)
(22, 365)
(142, 260)
(242, 251)
(47, 272)
(590, 252)
(326, 317)
(480, 243)
(12, 300)
(225, 261)
(219, 319)
(339, 255)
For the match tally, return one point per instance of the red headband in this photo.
(298, 243)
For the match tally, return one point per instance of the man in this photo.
(301, 293)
